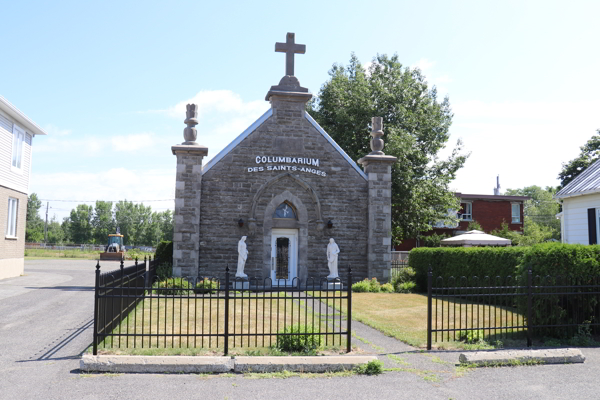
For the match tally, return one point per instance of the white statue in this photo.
(242, 257)
(332, 259)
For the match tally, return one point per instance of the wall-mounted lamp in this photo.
(240, 222)
(329, 224)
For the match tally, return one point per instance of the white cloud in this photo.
(424, 65)
(525, 142)
(113, 184)
(53, 130)
(217, 101)
(132, 142)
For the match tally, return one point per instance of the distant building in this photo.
(16, 136)
(580, 216)
(490, 211)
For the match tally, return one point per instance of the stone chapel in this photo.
(288, 187)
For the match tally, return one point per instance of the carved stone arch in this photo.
(271, 182)
(301, 224)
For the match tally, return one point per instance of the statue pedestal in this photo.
(332, 284)
(240, 284)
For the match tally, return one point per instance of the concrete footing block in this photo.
(300, 364)
(155, 364)
(515, 357)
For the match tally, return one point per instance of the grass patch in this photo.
(403, 316)
(201, 319)
(77, 254)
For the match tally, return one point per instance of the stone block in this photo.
(511, 357)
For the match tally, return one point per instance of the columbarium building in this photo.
(289, 188)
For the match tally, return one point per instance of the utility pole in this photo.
(46, 226)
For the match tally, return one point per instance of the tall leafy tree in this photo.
(81, 229)
(34, 229)
(103, 222)
(590, 152)
(55, 231)
(416, 126)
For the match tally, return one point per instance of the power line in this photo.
(112, 201)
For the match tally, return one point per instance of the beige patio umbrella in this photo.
(476, 238)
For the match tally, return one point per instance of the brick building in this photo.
(490, 211)
(286, 186)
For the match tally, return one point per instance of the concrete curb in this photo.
(191, 364)
(155, 364)
(515, 357)
(299, 364)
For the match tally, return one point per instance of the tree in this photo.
(590, 152)
(540, 210)
(102, 221)
(81, 229)
(34, 229)
(55, 231)
(416, 128)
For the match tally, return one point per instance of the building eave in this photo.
(23, 120)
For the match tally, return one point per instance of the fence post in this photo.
(529, 304)
(349, 312)
(429, 311)
(227, 309)
(97, 285)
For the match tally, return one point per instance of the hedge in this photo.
(551, 264)
(464, 261)
(164, 252)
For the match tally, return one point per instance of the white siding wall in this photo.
(575, 219)
(9, 178)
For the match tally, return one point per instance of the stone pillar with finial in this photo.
(378, 168)
(186, 235)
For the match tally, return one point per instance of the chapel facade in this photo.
(288, 187)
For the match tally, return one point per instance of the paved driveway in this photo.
(45, 324)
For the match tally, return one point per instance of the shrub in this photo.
(405, 287)
(164, 271)
(367, 285)
(374, 367)
(164, 252)
(433, 240)
(464, 261)
(299, 343)
(560, 264)
(403, 280)
(207, 285)
(172, 286)
(387, 288)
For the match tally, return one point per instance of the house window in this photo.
(17, 148)
(467, 211)
(11, 226)
(515, 212)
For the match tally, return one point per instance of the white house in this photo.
(580, 216)
(16, 136)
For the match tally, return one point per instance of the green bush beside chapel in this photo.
(545, 259)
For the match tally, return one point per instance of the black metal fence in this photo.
(131, 311)
(398, 266)
(495, 308)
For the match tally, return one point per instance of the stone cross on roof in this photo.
(290, 48)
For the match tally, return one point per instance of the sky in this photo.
(109, 81)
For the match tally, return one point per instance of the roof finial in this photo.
(376, 134)
(191, 120)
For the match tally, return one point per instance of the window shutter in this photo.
(592, 225)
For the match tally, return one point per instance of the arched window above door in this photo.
(285, 210)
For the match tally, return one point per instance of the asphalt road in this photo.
(45, 325)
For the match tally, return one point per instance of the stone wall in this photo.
(229, 191)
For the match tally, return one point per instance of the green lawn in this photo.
(165, 317)
(42, 254)
(404, 316)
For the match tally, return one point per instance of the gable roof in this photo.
(259, 122)
(588, 182)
